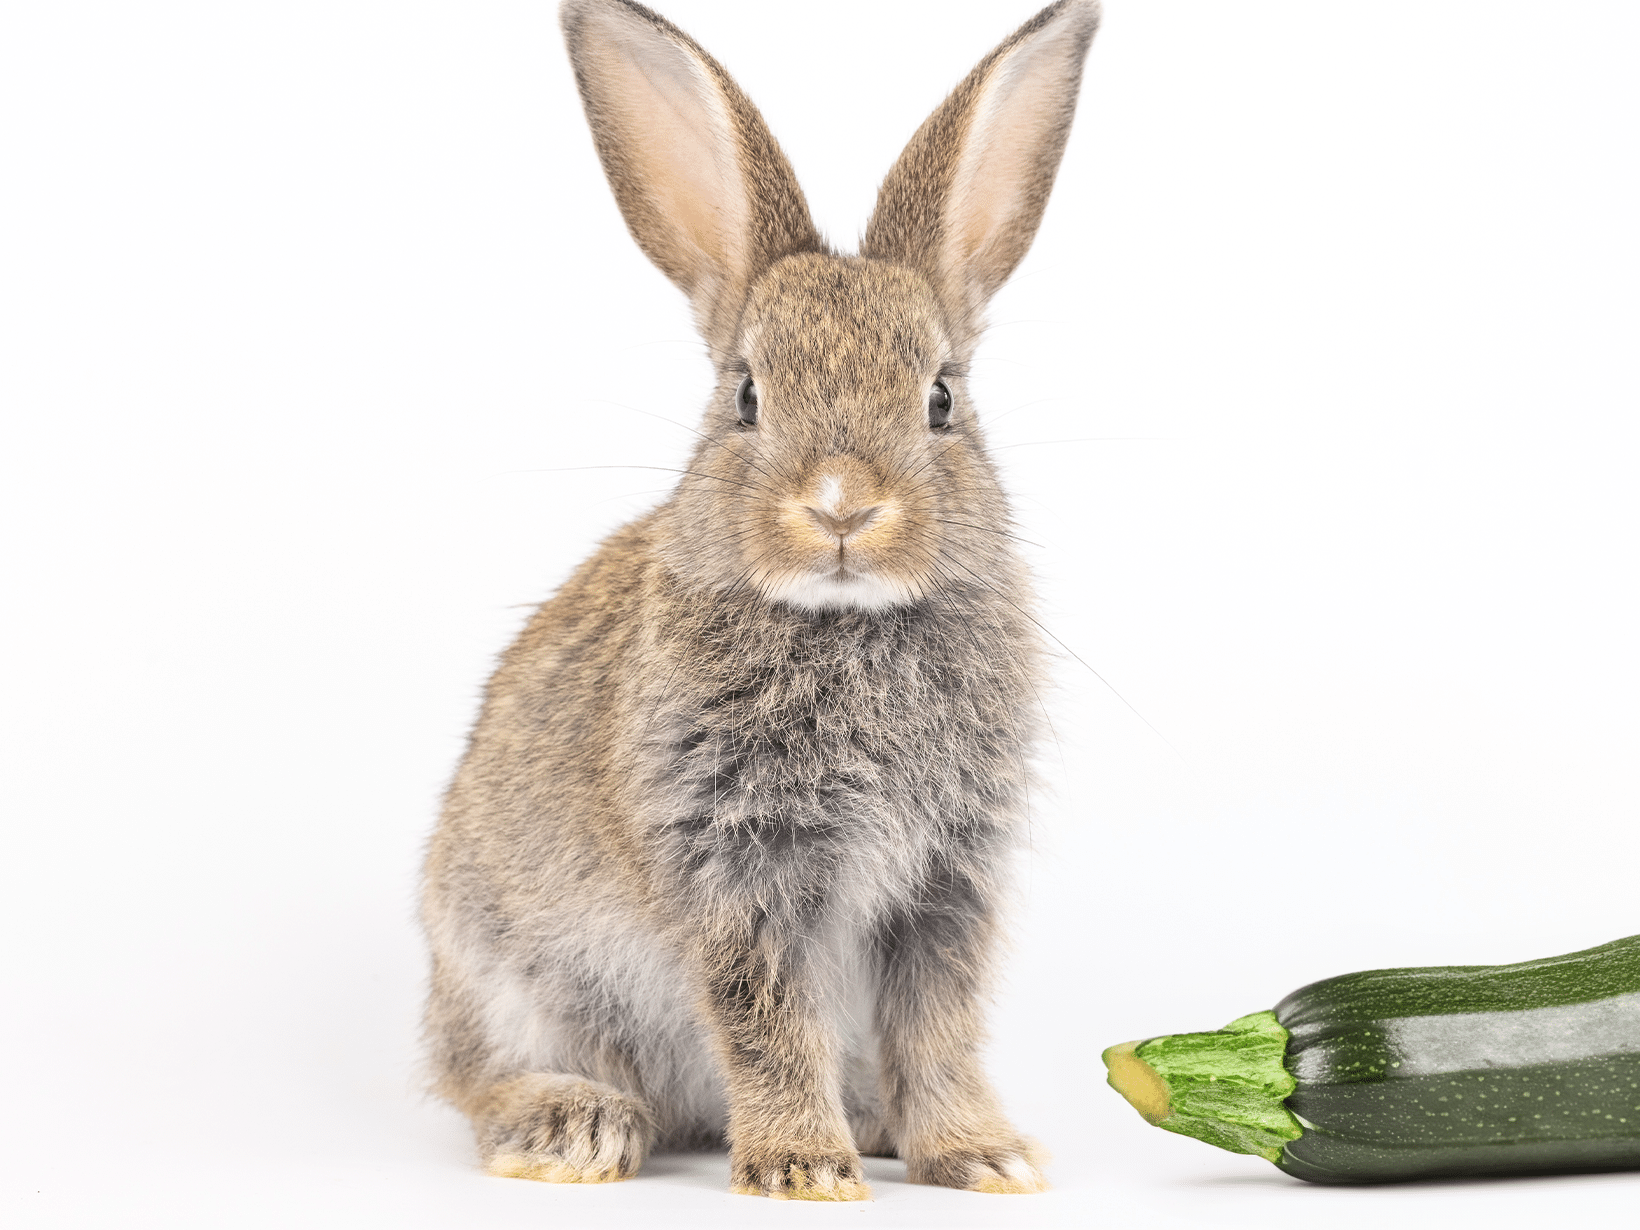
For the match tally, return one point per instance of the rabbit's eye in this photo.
(939, 405)
(746, 402)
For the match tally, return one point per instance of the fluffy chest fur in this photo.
(816, 762)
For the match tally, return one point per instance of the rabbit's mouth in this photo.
(833, 538)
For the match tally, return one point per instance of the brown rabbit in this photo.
(725, 855)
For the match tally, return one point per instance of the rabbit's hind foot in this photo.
(562, 1129)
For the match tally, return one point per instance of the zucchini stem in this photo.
(1227, 1087)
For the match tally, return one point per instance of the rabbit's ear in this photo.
(704, 188)
(963, 202)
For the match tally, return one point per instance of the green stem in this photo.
(1227, 1087)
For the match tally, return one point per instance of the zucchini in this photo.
(1415, 1073)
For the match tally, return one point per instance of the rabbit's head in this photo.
(841, 465)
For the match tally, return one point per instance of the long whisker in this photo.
(1000, 638)
(933, 457)
(1040, 401)
(666, 469)
(1047, 632)
(677, 666)
(720, 442)
(627, 495)
(985, 529)
(996, 448)
(731, 537)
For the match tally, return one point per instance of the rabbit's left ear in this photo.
(963, 202)
(703, 186)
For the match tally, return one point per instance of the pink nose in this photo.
(844, 527)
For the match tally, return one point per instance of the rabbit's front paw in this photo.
(558, 1129)
(798, 1175)
(1010, 1170)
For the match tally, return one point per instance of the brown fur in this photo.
(725, 856)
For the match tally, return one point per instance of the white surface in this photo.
(302, 301)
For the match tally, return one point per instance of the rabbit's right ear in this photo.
(703, 186)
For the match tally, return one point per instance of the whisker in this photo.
(996, 448)
(934, 457)
(1041, 401)
(985, 529)
(627, 495)
(666, 469)
(720, 442)
(1000, 638)
(693, 343)
(731, 537)
(1047, 632)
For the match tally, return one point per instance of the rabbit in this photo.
(725, 857)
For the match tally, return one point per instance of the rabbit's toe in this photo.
(558, 1129)
(1011, 1171)
(799, 1177)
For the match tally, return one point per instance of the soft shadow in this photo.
(1273, 1179)
(1276, 1179)
(883, 1169)
(707, 1169)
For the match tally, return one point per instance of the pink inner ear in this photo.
(999, 180)
(678, 146)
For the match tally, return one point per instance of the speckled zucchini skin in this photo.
(1467, 1070)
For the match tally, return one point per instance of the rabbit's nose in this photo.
(844, 527)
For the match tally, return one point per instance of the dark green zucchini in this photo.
(1416, 1073)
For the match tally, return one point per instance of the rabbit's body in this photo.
(810, 788)
(726, 852)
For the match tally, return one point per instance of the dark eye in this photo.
(746, 402)
(939, 405)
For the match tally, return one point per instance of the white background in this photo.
(304, 302)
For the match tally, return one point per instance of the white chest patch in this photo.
(837, 591)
